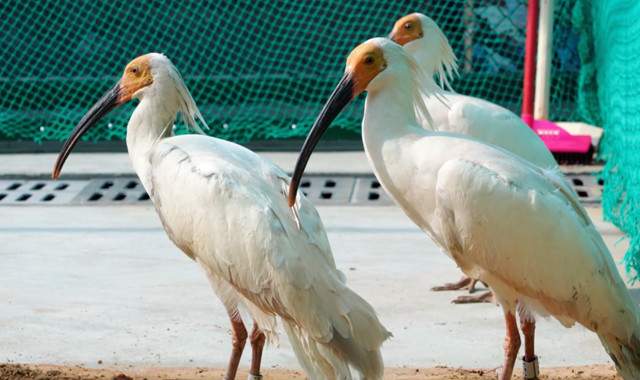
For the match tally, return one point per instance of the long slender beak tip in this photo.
(56, 170)
(292, 194)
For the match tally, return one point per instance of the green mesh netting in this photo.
(257, 69)
(613, 81)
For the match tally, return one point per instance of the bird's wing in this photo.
(524, 228)
(493, 124)
(222, 204)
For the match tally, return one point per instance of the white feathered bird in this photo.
(226, 208)
(424, 40)
(515, 226)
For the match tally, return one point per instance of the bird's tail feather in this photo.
(624, 353)
(316, 360)
(355, 340)
(361, 348)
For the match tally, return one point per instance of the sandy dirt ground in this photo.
(49, 372)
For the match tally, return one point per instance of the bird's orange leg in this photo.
(238, 340)
(511, 346)
(531, 360)
(257, 340)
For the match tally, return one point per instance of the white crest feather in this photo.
(186, 105)
(424, 85)
(447, 61)
(188, 109)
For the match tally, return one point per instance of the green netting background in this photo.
(611, 65)
(257, 69)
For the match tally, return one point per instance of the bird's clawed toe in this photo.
(464, 283)
(485, 297)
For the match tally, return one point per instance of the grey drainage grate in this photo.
(113, 191)
(321, 190)
(367, 191)
(21, 192)
(327, 190)
(587, 187)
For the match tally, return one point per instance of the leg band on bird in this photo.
(254, 377)
(531, 369)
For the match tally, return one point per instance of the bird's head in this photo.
(424, 40)
(152, 75)
(372, 66)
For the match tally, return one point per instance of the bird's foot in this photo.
(485, 297)
(464, 283)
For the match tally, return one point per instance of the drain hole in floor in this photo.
(326, 195)
(373, 196)
(48, 197)
(582, 194)
(119, 197)
(106, 185)
(62, 186)
(14, 186)
(131, 185)
(37, 186)
(144, 197)
(23, 197)
(330, 183)
(305, 184)
(94, 197)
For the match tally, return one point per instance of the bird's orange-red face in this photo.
(364, 63)
(136, 75)
(406, 29)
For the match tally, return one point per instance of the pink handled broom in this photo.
(565, 147)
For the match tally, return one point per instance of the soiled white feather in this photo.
(474, 200)
(226, 208)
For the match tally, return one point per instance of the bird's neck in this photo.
(151, 122)
(428, 62)
(389, 114)
(390, 128)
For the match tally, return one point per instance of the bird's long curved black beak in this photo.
(106, 104)
(341, 96)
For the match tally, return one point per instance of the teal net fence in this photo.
(257, 69)
(610, 88)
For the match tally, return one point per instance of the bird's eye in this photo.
(135, 70)
(408, 26)
(369, 60)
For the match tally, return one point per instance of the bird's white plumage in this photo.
(468, 115)
(505, 221)
(226, 208)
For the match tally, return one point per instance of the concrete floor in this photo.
(83, 284)
(97, 164)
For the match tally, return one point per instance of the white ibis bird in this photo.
(226, 208)
(422, 38)
(503, 220)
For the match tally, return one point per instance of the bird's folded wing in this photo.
(524, 226)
